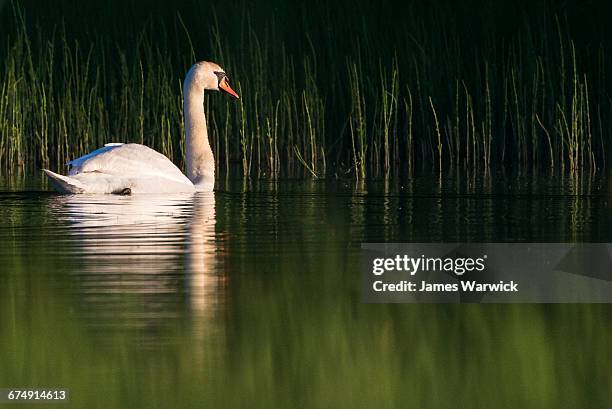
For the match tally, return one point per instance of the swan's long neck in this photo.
(199, 160)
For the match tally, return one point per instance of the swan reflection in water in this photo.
(142, 260)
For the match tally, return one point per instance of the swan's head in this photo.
(207, 75)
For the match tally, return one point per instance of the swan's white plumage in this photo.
(117, 167)
(133, 168)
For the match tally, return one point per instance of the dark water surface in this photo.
(250, 297)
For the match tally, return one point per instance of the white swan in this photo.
(133, 168)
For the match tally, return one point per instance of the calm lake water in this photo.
(250, 297)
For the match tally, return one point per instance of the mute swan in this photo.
(133, 168)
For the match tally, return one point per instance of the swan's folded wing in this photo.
(128, 160)
(76, 165)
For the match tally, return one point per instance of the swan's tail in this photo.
(64, 184)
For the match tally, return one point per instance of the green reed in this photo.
(328, 100)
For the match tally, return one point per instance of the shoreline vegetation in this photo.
(327, 90)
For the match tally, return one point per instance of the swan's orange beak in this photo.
(225, 87)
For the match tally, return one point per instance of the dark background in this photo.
(439, 48)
